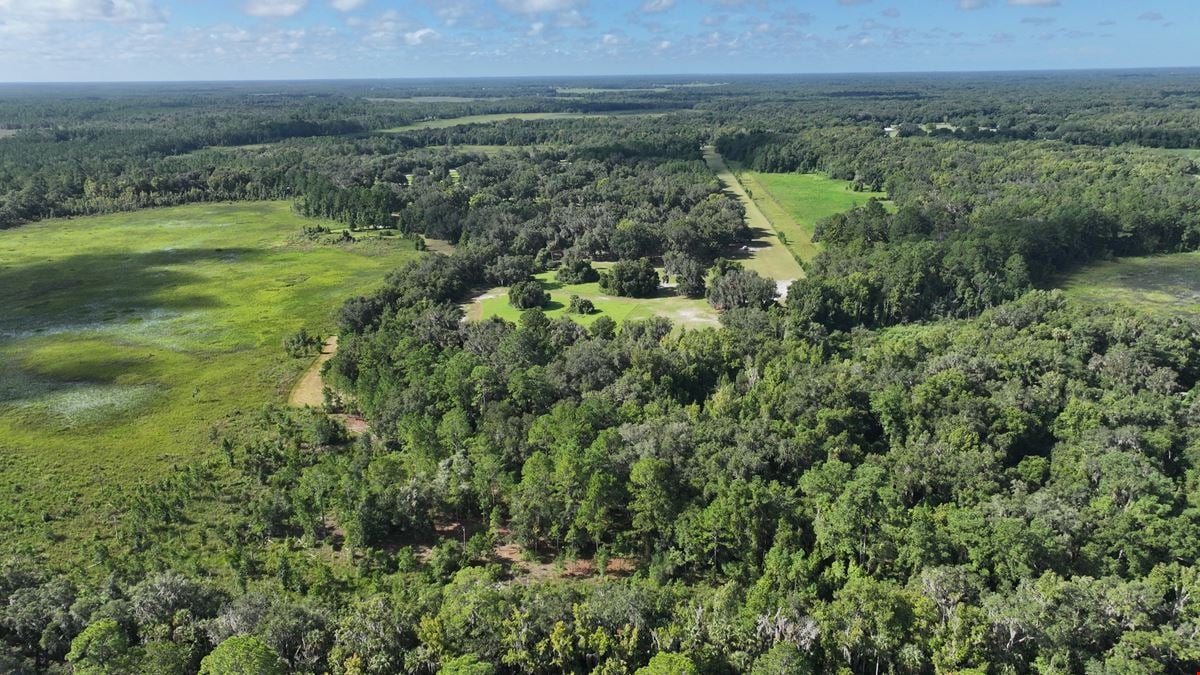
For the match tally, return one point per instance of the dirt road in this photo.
(308, 391)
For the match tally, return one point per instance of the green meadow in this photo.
(1162, 284)
(682, 311)
(795, 202)
(129, 342)
(446, 122)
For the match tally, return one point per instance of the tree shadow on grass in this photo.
(49, 296)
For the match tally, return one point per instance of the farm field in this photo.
(795, 202)
(1161, 284)
(682, 311)
(130, 341)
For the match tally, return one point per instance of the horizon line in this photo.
(461, 78)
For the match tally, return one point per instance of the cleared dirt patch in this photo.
(309, 389)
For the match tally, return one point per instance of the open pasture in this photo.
(129, 342)
(1161, 284)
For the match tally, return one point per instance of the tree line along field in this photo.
(127, 341)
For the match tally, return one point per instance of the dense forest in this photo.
(922, 459)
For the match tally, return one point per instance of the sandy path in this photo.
(308, 390)
(772, 260)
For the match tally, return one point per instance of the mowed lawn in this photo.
(1162, 284)
(682, 311)
(129, 342)
(795, 202)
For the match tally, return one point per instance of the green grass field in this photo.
(767, 254)
(680, 310)
(794, 202)
(484, 119)
(1188, 153)
(127, 339)
(1162, 284)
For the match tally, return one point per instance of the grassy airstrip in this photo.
(1161, 284)
(794, 202)
(128, 340)
(682, 311)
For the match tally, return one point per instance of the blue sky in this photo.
(88, 40)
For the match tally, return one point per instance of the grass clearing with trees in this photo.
(682, 311)
(1160, 284)
(129, 341)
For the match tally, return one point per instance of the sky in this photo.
(118, 40)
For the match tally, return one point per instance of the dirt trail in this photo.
(772, 260)
(308, 391)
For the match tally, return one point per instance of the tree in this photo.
(741, 288)
(508, 270)
(636, 279)
(102, 647)
(665, 663)
(576, 270)
(580, 305)
(527, 294)
(242, 655)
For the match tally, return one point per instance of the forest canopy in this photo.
(922, 458)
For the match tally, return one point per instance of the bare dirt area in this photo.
(308, 392)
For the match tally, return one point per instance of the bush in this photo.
(301, 343)
(629, 278)
(527, 294)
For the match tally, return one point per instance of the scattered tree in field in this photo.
(637, 279)
(527, 294)
(576, 270)
(580, 305)
(688, 274)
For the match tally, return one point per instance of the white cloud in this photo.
(420, 37)
(972, 4)
(572, 19)
(275, 9)
(538, 6)
(346, 5)
(652, 6)
(613, 39)
(81, 10)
